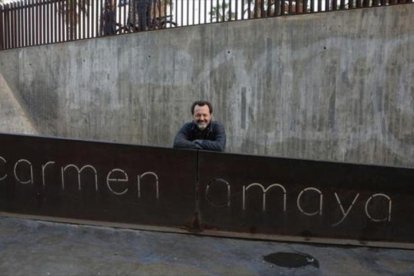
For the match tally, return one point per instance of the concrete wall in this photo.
(336, 86)
(13, 118)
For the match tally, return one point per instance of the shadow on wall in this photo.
(14, 118)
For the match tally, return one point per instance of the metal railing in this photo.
(37, 22)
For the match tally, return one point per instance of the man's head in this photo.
(201, 111)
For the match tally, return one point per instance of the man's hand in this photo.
(198, 143)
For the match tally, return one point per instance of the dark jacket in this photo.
(213, 137)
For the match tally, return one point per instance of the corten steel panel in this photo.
(38, 177)
(305, 198)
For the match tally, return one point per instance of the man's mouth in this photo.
(201, 124)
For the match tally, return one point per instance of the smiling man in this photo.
(202, 132)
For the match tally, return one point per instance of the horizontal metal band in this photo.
(206, 192)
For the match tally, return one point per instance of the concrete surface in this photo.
(330, 86)
(14, 118)
(29, 247)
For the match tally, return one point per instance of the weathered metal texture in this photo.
(97, 181)
(311, 199)
(206, 192)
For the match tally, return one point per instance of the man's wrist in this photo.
(198, 142)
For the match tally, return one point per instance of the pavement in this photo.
(30, 247)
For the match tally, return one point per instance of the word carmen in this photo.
(113, 177)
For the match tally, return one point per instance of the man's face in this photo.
(202, 116)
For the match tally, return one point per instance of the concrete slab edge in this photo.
(215, 233)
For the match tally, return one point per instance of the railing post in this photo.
(13, 25)
(32, 22)
(25, 21)
(44, 30)
(6, 27)
(19, 24)
(1, 28)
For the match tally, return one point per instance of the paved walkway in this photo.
(29, 247)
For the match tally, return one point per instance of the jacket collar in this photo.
(207, 129)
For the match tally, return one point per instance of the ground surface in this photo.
(29, 247)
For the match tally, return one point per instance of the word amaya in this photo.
(344, 211)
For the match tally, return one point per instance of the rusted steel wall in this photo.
(305, 198)
(97, 181)
(204, 191)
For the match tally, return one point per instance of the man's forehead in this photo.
(201, 108)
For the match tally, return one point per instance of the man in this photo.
(202, 132)
(144, 14)
(108, 19)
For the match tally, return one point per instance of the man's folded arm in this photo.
(219, 144)
(181, 141)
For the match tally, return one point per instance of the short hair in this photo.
(201, 103)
